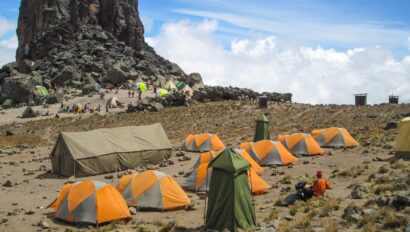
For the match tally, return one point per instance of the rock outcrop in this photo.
(61, 41)
(219, 93)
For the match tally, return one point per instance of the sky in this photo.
(321, 51)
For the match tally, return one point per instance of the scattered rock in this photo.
(133, 211)
(391, 125)
(352, 213)
(43, 225)
(8, 184)
(179, 154)
(4, 220)
(29, 212)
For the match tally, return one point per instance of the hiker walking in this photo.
(320, 185)
(139, 94)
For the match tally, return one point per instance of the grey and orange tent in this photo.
(203, 142)
(200, 176)
(268, 152)
(334, 137)
(90, 202)
(301, 144)
(152, 190)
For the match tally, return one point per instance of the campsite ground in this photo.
(24, 163)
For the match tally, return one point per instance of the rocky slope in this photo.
(87, 41)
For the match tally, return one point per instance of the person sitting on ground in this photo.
(320, 185)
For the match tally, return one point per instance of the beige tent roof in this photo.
(403, 138)
(187, 90)
(116, 140)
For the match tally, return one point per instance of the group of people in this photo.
(131, 94)
(87, 108)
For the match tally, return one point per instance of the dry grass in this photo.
(286, 180)
(274, 214)
(330, 226)
(228, 119)
(352, 172)
(20, 139)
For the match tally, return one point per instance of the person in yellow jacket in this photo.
(320, 185)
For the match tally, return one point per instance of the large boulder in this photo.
(55, 97)
(194, 79)
(26, 66)
(116, 75)
(68, 74)
(18, 88)
(87, 89)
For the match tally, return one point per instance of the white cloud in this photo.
(6, 26)
(148, 23)
(408, 43)
(313, 75)
(9, 44)
(8, 50)
(307, 31)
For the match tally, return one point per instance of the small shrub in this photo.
(391, 221)
(330, 226)
(383, 169)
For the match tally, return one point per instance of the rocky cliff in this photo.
(87, 41)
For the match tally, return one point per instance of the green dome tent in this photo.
(230, 198)
(42, 90)
(141, 86)
(180, 85)
(162, 92)
(262, 131)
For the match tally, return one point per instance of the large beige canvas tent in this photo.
(109, 150)
(403, 140)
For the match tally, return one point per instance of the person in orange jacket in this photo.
(320, 186)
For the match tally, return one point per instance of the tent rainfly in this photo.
(230, 197)
(109, 150)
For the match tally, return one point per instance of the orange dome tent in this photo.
(200, 177)
(91, 202)
(334, 137)
(267, 152)
(203, 142)
(301, 144)
(152, 190)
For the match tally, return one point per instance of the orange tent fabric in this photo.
(267, 152)
(91, 202)
(334, 137)
(203, 142)
(200, 177)
(152, 190)
(301, 144)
